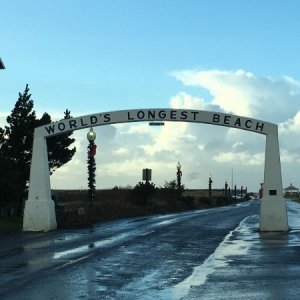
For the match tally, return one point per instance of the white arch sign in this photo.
(39, 213)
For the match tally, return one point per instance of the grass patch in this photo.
(13, 222)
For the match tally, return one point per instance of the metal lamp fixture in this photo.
(91, 135)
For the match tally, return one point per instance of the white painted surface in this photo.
(273, 213)
(39, 215)
(39, 212)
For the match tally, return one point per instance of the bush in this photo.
(143, 192)
(188, 202)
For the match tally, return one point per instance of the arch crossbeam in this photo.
(139, 115)
(39, 213)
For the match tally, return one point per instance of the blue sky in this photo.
(94, 56)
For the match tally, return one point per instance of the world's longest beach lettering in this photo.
(77, 123)
(238, 122)
(125, 116)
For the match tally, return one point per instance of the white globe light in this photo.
(91, 135)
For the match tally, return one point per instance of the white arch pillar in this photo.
(39, 212)
(273, 213)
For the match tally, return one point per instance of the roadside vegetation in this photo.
(74, 210)
(16, 139)
(11, 223)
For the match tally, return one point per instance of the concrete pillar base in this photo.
(273, 214)
(39, 215)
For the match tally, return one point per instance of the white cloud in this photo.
(243, 158)
(288, 157)
(121, 151)
(238, 145)
(170, 135)
(141, 129)
(243, 93)
(135, 166)
(201, 147)
(291, 125)
(186, 101)
(125, 149)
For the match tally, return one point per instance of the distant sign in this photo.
(147, 174)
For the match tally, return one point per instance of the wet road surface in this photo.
(206, 254)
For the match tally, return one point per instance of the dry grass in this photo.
(11, 222)
(118, 203)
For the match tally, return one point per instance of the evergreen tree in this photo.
(173, 188)
(143, 192)
(16, 148)
(6, 173)
(171, 185)
(58, 146)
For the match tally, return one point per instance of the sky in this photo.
(239, 57)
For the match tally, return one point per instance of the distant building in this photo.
(291, 191)
(1, 64)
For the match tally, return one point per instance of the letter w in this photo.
(50, 129)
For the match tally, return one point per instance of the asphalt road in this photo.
(206, 254)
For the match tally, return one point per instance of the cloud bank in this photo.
(203, 150)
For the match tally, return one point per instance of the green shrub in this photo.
(143, 192)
